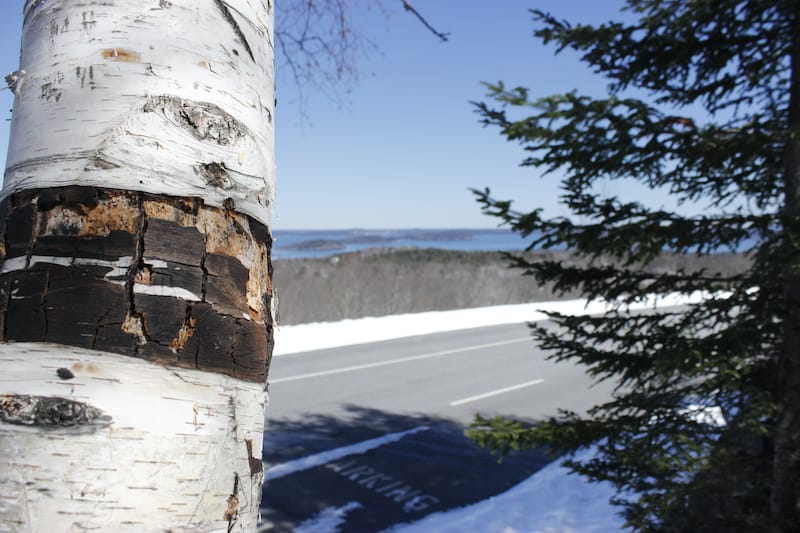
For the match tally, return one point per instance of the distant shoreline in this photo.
(322, 243)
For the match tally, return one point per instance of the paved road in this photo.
(330, 409)
(443, 374)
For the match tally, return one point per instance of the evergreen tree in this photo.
(719, 125)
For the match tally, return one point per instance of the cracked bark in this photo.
(165, 279)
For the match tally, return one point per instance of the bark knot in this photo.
(215, 174)
(49, 412)
(204, 120)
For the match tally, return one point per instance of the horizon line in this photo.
(392, 229)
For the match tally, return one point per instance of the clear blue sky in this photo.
(408, 146)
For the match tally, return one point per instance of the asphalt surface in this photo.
(328, 407)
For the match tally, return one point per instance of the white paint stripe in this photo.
(118, 267)
(304, 463)
(395, 361)
(164, 290)
(155, 263)
(14, 264)
(496, 392)
(61, 261)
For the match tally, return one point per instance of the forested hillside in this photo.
(391, 281)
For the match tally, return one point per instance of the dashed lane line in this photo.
(496, 392)
(400, 360)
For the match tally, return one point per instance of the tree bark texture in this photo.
(135, 282)
(169, 97)
(93, 441)
(161, 278)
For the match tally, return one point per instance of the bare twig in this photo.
(321, 48)
(409, 7)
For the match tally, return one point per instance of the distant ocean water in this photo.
(322, 243)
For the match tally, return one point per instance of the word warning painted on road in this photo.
(398, 491)
(398, 482)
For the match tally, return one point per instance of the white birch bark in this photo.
(165, 97)
(168, 449)
(172, 97)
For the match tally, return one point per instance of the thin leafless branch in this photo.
(321, 48)
(409, 7)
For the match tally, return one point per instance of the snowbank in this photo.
(550, 501)
(321, 335)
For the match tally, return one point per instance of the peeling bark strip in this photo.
(168, 98)
(166, 279)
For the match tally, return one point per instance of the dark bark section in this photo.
(49, 412)
(165, 279)
(226, 284)
(18, 231)
(162, 316)
(78, 304)
(26, 313)
(168, 241)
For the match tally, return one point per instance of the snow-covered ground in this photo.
(550, 501)
(559, 502)
(320, 335)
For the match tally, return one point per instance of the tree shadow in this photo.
(428, 470)
(288, 439)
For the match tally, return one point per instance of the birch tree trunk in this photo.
(135, 287)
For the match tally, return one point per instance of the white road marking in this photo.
(328, 520)
(496, 392)
(311, 461)
(395, 361)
